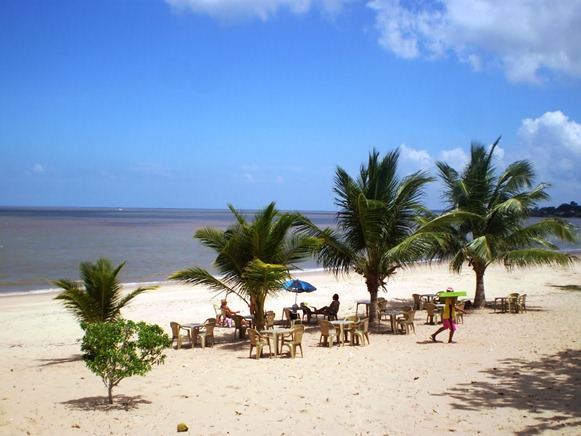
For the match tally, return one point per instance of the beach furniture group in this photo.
(512, 303)
(285, 336)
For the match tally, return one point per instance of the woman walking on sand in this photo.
(448, 317)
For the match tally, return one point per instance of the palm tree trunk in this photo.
(372, 288)
(479, 296)
(259, 321)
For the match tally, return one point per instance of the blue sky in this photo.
(200, 103)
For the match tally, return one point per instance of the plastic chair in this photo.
(512, 302)
(293, 341)
(459, 317)
(176, 329)
(352, 327)
(288, 315)
(361, 332)
(206, 333)
(405, 310)
(521, 303)
(239, 326)
(433, 313)
(270, 319)
(307, 311)
(408, 322)
(218, 313)
(259, 342)
(332, 315)
(418, 303)
(328, 332)
(381, 305)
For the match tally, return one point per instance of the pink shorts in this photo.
(449, 324)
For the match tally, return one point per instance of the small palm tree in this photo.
(98, 296)
(377, 212)
(486, 219)
(253, 258)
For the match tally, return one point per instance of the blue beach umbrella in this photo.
(298, 286)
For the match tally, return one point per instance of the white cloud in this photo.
(554, 144)
(526, 39)
(236, 10)
(38, 169)
(457, 158)
(419, 159)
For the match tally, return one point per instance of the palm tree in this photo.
(377, 211)
(253, 258)
(98, 297)
(486, 218)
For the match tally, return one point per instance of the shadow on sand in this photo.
(120, 402)
(549, 390)
(59, 361)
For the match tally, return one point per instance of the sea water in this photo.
(38, 245)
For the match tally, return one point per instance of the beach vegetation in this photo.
(98, 296)
(378, 210)
(485, 220)
(121, 348)
(253, 257)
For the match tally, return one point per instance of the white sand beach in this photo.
(507, 373)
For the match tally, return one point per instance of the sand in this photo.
(507, 373)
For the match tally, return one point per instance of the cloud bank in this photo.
(528, 40)
(554, 142)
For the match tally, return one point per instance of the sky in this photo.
(204, 103)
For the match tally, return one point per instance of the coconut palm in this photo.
(486, 218)
(253, 258)
(377, 211)
(98, 297)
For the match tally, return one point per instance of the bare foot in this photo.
(433, 338)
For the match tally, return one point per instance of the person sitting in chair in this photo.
(330, 310)
(228, 314)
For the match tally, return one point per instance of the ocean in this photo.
(38, 245)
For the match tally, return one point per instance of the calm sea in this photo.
(38, 245)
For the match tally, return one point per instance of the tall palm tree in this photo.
(485, 221)
(253, 258)
(377, 211)
(98, 297)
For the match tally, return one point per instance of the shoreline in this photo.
(314, 270)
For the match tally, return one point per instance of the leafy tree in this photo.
(119, 349)
(98, 297)
(485, 221)
(253, 258)
(377, 212)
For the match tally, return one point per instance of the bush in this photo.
(119, 349)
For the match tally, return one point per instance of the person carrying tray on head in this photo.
(448, 316)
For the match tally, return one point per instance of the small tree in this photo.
(121, 348)
(98, 297)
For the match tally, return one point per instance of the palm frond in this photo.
(538, 257)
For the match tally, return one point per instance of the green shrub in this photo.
(121, 348)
